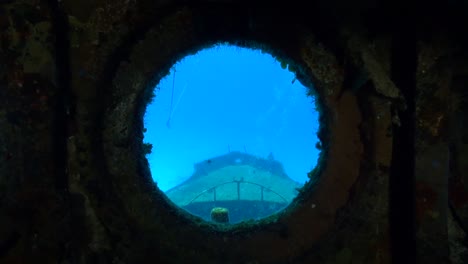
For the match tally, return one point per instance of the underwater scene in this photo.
(233, 134)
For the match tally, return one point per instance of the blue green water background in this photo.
(225, 99)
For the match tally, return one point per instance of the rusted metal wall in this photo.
(74, 80)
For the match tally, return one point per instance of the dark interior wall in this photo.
(392, 80)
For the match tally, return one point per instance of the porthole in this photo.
(231, 128)
(156, 223)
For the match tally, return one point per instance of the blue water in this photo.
(225, 99)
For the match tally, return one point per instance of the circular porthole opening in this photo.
(231, 134)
